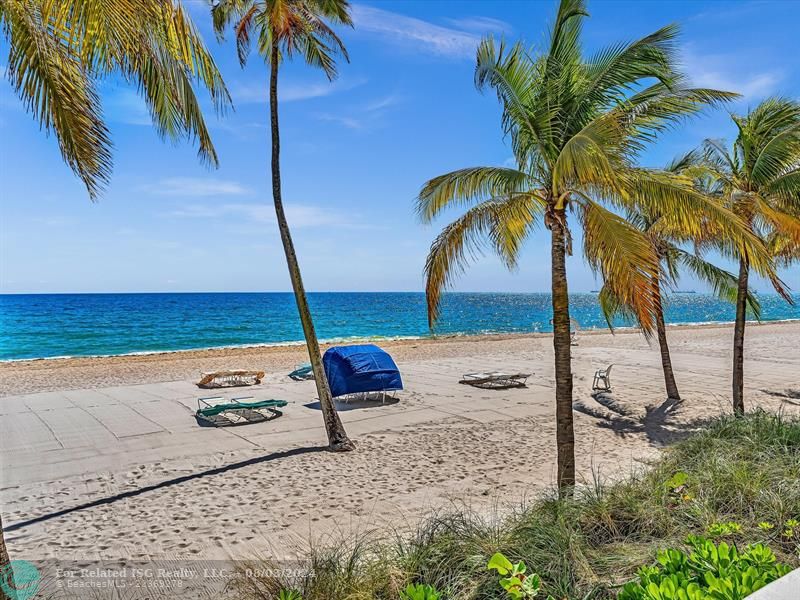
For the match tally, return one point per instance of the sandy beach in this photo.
(102, 458)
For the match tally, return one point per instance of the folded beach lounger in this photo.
(230, 378)
(302, 372)
(495, 379)
(239, 411)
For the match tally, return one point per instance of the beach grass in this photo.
(740, 471)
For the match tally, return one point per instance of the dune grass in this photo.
(744, 471)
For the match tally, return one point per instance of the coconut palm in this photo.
(759, 180)
(284, 28)
(5, 561)
(576, 126)
(60, 49)
(666, 245)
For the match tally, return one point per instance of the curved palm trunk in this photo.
(337, 437)
(666, 361)
(565, 434)
(738, 338)
(4, 558)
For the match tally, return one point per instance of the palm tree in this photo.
(5, 561)
(60, 49)
(283, 29)
(576, 127)
(759, 180)
(666, 246)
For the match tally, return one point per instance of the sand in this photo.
(102, 458)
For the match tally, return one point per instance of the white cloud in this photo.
(726, 72)
(422, 35)
(290, 92)
(364, 115)
(126, 106)
(298, 215)
(195, 186)
(481, 25)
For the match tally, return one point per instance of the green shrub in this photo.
(738, 478)
(708, 572)
(419, 591)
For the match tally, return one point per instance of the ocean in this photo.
(58, 325)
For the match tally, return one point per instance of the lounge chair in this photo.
(602, 380)
(302, 372)
(239, 411)
(218, 379)
(495, 380)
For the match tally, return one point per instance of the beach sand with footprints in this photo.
(102, 458)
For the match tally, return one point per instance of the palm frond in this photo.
(58, 92)
(501, 224)
(723, 284)
(625, 258)
(467, 187)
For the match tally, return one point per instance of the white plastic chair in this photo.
(602, 379)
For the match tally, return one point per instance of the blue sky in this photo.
(355, 154)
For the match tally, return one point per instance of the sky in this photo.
(355, 153)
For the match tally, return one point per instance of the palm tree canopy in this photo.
(295, 26)
(577, 126)
(667, 240)
(59, 49)
(759, 176)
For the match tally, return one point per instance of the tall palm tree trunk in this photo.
(5, 561)
(738, 337)
(337, 436)
(565, 435)
(666, 361)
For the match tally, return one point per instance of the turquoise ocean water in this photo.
(52, 325)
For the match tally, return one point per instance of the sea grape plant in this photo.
(708, 572)
(513, 578)
(420, 591)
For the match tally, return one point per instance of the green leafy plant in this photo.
(723, 529)
(791, 527)
(419, 591)
(678, 487)
(708, 572)
(289, 595)
(514, 579)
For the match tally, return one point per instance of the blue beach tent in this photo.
(356, 369)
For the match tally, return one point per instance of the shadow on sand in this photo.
(788, 395)
(371, 400)
(163, 484)
(657, 424)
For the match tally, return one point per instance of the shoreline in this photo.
(53, 374)
(379, 339)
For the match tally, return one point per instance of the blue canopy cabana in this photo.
(357, 369)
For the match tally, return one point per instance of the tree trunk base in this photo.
(345, 445)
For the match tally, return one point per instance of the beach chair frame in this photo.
(234, 378)
(495, 380)
(243, 414)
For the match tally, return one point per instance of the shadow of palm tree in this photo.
(788, 395)
(657, 423)
(163, 484)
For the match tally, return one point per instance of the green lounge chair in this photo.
(302, 372)
(239, 411)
